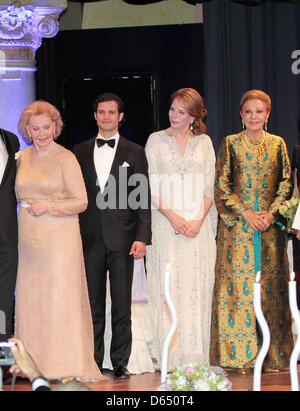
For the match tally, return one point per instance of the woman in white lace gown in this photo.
(182, 167)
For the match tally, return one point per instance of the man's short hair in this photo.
(109, 97)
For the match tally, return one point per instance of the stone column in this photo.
(23, 24)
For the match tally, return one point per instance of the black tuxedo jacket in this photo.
(296, 162)
(8, 202)
(119, 226)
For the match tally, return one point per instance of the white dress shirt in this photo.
(103, 159)
(3, 158)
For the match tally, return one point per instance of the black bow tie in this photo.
(101, 142)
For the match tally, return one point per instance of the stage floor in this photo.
(150, 382)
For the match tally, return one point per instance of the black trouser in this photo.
(8, 274)
(99, 259)
(296, 253)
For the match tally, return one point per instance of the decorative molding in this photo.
(23, 25)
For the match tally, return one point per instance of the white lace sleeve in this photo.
(209, 176)
(209, 173)
(152, 152)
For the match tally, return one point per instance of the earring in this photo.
(191, 125)
(266, 125)
(243, 124)
(29, 139)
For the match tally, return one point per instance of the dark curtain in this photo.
(172, 55)
(251, 47)
(45, 77)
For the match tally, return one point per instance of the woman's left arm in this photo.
(285, 184)
(74, 186)
(76, 201)
(209, 181)
(284, 187)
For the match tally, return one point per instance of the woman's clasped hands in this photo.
(258, 220)
(189, 229)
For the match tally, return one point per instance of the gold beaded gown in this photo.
(53, 314)
(257, 177)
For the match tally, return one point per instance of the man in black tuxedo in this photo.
(9, 145)
(116, 227)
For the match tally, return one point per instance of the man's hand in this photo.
(138, 249)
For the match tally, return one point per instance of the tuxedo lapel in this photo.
(89, 164)
(10, 160)
(119, 156)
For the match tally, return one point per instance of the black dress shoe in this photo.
(121, 372)
(107, 372)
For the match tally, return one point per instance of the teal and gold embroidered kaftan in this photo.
(257, 177)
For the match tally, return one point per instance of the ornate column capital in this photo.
(23, 25)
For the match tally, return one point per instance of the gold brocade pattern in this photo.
(246, 173)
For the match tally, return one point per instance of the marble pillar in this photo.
(23, 25)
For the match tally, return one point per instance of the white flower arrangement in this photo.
(196, 377)
(288, 210)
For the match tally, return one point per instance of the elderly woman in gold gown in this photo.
(252, 180)
(53, 315)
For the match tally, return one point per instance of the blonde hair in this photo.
(193, 102)
(256, 94)
(37, 108)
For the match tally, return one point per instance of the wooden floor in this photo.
(150, 382)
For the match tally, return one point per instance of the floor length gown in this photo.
(53, 316)
(250, 176)
(192, 260)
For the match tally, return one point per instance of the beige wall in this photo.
(116, 13)
(71, 18)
